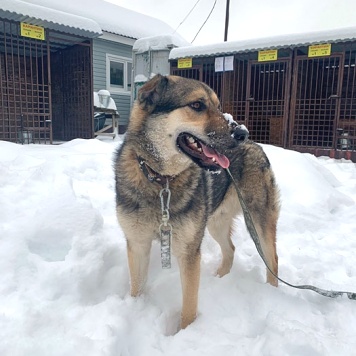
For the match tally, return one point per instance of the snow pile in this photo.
(64, 276)
(103, 100)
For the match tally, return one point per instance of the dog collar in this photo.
(152, 175)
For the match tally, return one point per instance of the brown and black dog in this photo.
(177, 134)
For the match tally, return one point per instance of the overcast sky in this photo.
(248, 18)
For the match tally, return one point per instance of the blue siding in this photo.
(100, 49)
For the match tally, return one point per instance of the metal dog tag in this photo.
(166, 238)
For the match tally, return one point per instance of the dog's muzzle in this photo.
(240, 133)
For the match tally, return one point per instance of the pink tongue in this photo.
(222, 160)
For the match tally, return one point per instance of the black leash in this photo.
(253, 233)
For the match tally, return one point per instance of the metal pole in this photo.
(227, 19)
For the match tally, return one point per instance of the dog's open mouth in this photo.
(203, 155)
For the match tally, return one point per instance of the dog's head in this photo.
(179, 121)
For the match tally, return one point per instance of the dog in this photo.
(177, 137)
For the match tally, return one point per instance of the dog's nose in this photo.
(240, 133)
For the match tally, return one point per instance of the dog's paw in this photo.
(185, 322)
(273, 281)
(223, 269)
(221, 272)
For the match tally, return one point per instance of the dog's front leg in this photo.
(190, 276)
(138, 254)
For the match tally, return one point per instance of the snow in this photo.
(111, 18)
(247, 19)
(103, 100)
(140, 78)
(157, 43)
(64, 276)
(50, 15)
(282, 41)
(228, 117)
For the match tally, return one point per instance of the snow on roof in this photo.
(158, 43)
(40, 15)
(111, 18)
(284, 41)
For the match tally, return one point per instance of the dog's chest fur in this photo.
(194, 192)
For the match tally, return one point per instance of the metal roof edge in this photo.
(114, 37)
(21, 11)
(276, 42)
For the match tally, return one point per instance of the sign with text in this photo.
(319, 50)
(32, 31)
(219, 64)
(185, 63)
(268, 55)
(224, 64)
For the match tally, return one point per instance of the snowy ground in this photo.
(64, 277)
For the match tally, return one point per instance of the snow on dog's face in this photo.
(182, 123)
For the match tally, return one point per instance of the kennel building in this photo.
(46, 89)
(296, 92)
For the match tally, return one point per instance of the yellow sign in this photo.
(319, 50)
(32, 31)
(268, 55)
(185, 63)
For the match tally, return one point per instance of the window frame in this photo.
(122, 60)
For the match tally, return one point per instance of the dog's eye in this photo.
(197, 106)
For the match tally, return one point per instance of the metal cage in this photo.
(45, 86)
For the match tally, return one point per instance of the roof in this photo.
(21, 11)
(284, 41)
(111, 18)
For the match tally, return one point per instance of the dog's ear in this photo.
(151, 93)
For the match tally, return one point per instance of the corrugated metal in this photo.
(20, 11)
(252, 45)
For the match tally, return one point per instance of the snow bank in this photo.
(64, 276)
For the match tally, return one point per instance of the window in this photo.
(118, 74)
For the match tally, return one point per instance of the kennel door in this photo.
(25, 109)
(315, 101)
(267, 101)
